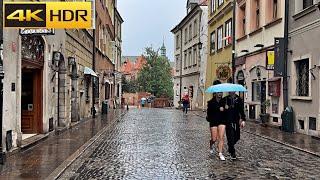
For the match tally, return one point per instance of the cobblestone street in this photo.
(165, 144)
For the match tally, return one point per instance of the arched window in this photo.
(32, 49)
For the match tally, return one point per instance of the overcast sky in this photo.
(147, 22)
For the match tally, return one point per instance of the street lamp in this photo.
(71, 61)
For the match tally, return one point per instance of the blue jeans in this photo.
(185, 108)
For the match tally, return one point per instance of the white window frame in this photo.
(213, 42)
(294, 78)
(220, 2)
(220, 37)
(213, 6)
(228, 31)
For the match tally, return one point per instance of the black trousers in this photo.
(233, 136)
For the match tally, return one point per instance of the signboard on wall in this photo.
(270, 60)
(223, 72)
(279, 57)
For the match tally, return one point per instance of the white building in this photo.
(191, 53)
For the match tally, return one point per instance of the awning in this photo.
(89, 71)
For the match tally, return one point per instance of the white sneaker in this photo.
(222, 158)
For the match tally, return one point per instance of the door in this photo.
(31, 99)
(263, 94)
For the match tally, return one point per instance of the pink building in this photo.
(258, 23)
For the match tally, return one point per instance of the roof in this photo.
(130, 58)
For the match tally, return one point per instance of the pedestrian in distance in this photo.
(217, 121)
(235, 117)
(185, 103)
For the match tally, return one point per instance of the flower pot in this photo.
(264, 118)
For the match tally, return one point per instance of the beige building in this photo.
(188, 60)
(118, 53)
(258, 23)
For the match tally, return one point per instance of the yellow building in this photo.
(219, 42)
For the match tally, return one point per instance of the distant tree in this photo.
(155, 76)
(129, 86)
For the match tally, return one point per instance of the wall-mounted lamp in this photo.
(200, 45)
(56, 57)
(259, 46)
(71, 61)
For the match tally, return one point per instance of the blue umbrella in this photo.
(226, 87)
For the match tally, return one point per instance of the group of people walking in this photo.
(225, 115)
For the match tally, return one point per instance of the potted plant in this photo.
(264, 115)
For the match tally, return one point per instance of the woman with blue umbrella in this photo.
(217, 121)
(233, 112)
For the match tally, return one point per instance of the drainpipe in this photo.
(286, 41)
(233, 40)
(93, 111)
(181, 55)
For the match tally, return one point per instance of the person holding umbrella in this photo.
(215, 117)
(234, 114)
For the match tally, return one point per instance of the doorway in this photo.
(31, 101)
(32, 55)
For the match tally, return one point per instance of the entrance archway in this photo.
(32, 56)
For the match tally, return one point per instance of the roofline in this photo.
(183, 21)
(118, 14)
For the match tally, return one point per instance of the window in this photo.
(275, 9)
(195, 28)
(220, 32)
(195, 56)
(220, 2)
(177, 63)
(177, 42)
(243, 20)
(256, 91)
(190, 32)
(313, 123)
(257, 14)
(212, 42)
(228, 32)
(302, 83)
(186, 35)
(190, 57)
(185, 59)
(96, 87)
(213, 6)
(307, 3)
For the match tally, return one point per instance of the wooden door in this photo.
(31, 102)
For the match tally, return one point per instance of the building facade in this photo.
(118, 53)
(188, 60)
(219, 42)
(303, 65)
(104, 55)
(258, 23)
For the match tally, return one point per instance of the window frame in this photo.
(213, 6)
(221, 40)
(305, 4)
(228, 23)
(213, 42)
(298, 69)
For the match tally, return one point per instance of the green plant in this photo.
(265, 105)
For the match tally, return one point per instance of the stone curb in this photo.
(62, 167)
(276, 141)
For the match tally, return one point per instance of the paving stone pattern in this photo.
(165, 144)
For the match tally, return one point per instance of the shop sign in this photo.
(270, 60)
(36, 31)
(223, 72)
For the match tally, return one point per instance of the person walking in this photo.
(185, 103)
(235, 117)
(217, 121)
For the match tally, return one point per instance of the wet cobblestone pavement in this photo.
(164, 144)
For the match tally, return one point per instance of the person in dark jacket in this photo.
(235, 117)
(216, 118)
